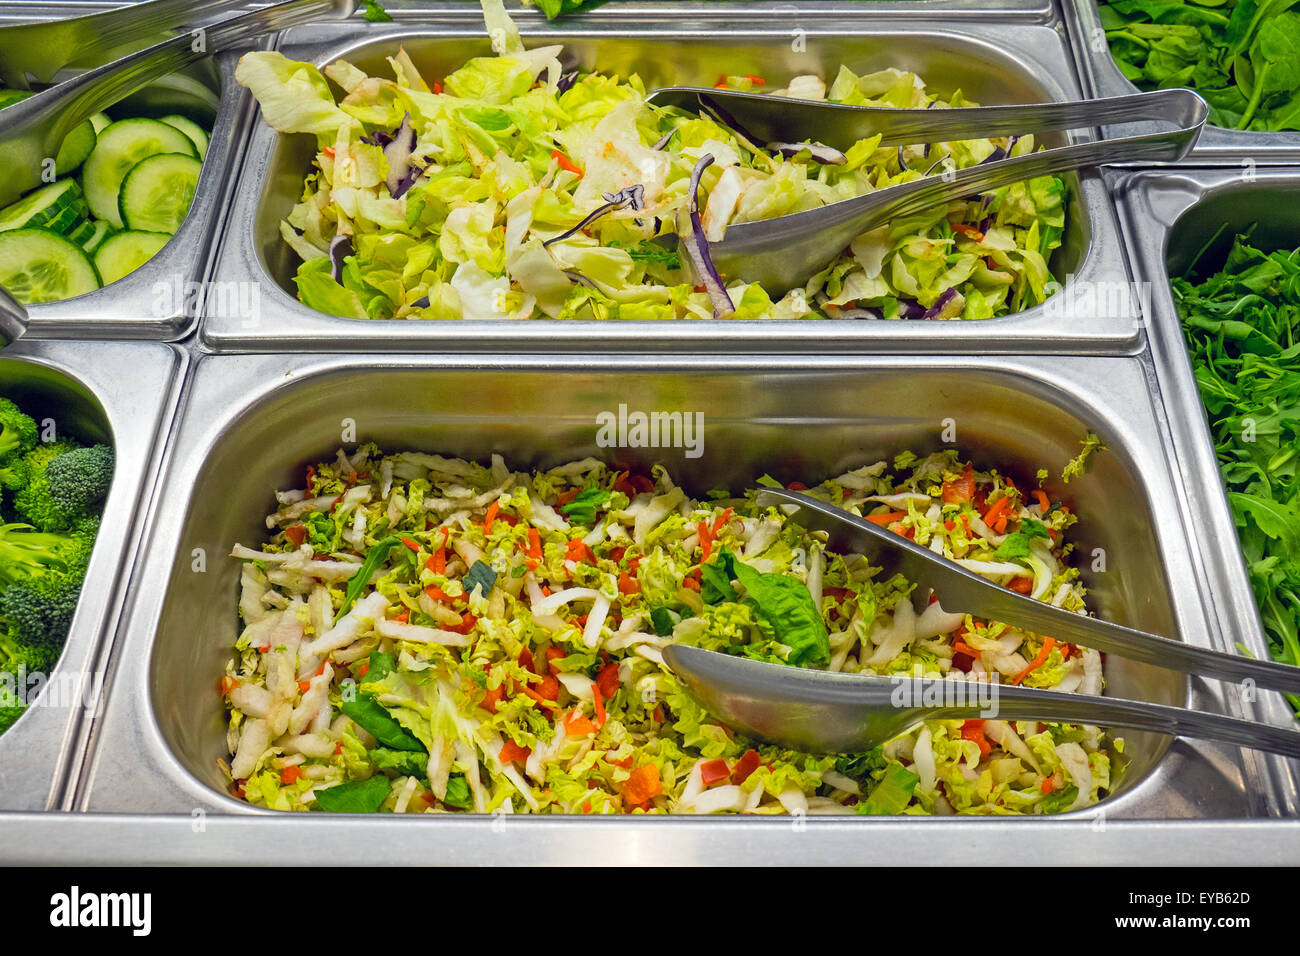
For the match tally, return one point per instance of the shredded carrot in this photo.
(403, 617)
(491, 515)
(721, 520)
(974, 730)
(1048, 784)
(578, 724)
(706, 539)
(969, 231)
(1041, 497)
(566, 163)
(226, 685)
(889, 517)
(411, 543)
(1043, 652)
(961, 647)
(756, 80)
(627, 584)
(290, 775)
(511, 752)
(550, 705)
(997, 511)
(600, 704)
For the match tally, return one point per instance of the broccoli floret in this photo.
(26, 553)
(18, 433)
(80, 478)
(34, 501)
(19, 654)
(41, 607)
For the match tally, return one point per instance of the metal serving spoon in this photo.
(781, 253)
(827, 712)
(13, 318)
(965, 592)
(33, 128)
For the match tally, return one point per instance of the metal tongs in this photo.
(33, 129)
(781, 253)
(832, 712)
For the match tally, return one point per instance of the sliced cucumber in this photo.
(156, 193)
(76, 149)
(37, 265)
(125, 252)
(90, 234)
(76, 146)
(121, 145)
(191, 129)
(57, 207)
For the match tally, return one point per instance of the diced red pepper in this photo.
(511, 752)
(290, 775)
(960, 490)
(974, 730)
(1021, 585)
(747, 764)
(643, 785)
(796, 486)
(712, 771)
(577, 724)
(607, 680)
(627, 584)
(296, 533)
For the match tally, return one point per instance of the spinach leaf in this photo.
(358, 796)
(403, 762)
(361, 580)
(375, 719)
(458, 794)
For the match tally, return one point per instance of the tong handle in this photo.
(962, 591)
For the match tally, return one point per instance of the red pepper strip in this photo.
(721, 520)
(706, 539)
(960, 490)
(746, 765)
(1043, 652)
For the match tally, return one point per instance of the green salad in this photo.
(1242, 327)
(426, 634)
(515, 188)
(1242, 56)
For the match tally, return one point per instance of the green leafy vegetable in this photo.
(892, 794)
(1242, 56)
(359, 796)
(782, 601)
(582, 508)
(375, 719)
(1242, 328)
(359, 581)
(480, 575)
(374, 11)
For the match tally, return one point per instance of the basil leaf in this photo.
(786, 604)
(374, 718)
(358, 796)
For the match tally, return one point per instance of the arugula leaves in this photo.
(1242, 329)
(1243, 56)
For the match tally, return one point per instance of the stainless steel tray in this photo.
(251, 422)
(156, 301)
(1008, 62)
(1170, 216)
(123, 394)
(1102, 77)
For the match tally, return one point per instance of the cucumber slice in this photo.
(156, 193)
(58, 207)
(198, 136)
(121, 145)
(124, 252)
(90, 234)
(37, 265)
(76, 146)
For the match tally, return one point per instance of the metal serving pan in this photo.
(251, 422)
(151, 302)
(1102, 77)
(1171, 216)
(1009, 62)
(115, 393)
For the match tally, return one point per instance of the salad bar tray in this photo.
(158, 745)
(123, 394)
(1013, 62)
(258, 385)
(1174, 217)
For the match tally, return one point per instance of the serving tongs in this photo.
(32, 130)
(781, 253)
(834, 712)
(36, 52)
